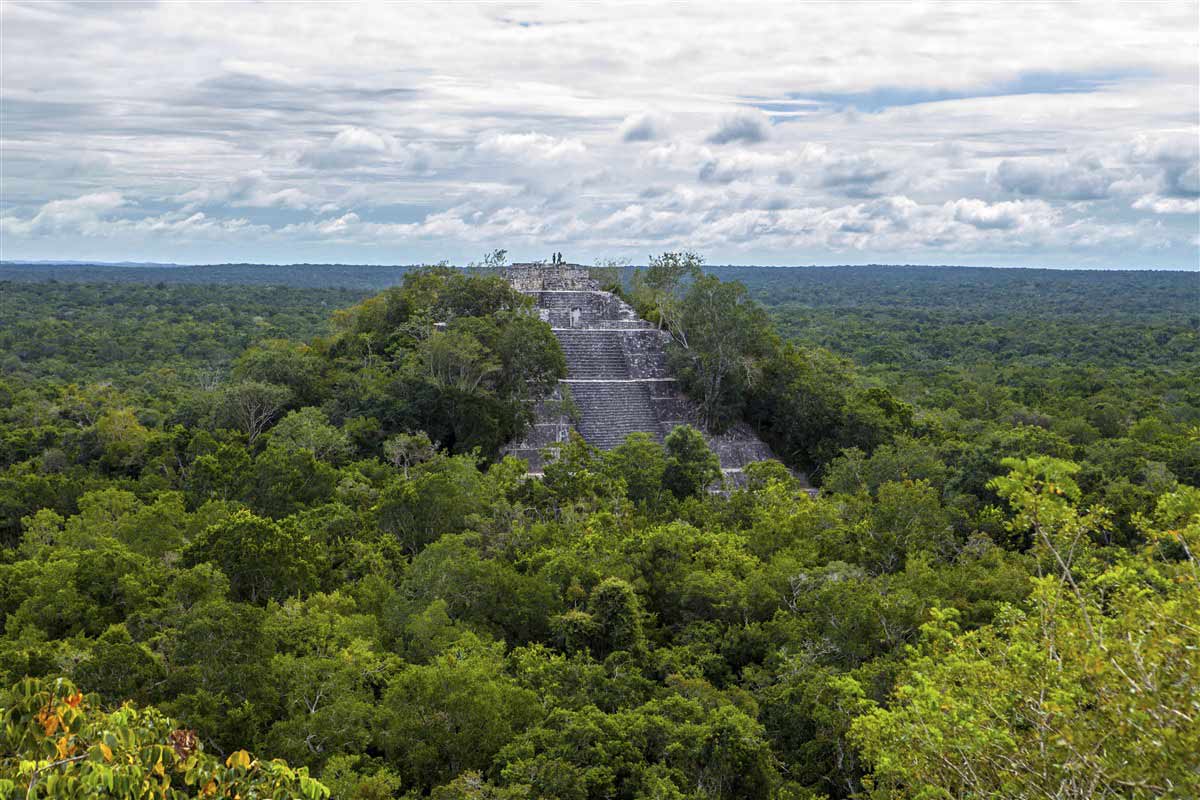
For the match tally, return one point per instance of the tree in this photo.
(440, 497)
(251, 406)
(218, 660)
(406, 450)
(641, 462)
(309, 429)
(123, 438)
(808, 710)
(285, 481)
(691, 466)
(57, 742)
(662, 280)
(119, 668)
(262, 559)
(482, 593)
(283, 363)
(574, 473)
(614, 607)
(903, 459)
(608, 273)
(361, 778)
(906, 518)
(456, 359)
(720, 335)
(85, 404)
(64, 593)
(1086, 694)
(673, 747)
(326, 675)
(225, 474)
(453, 714)
(451, 353)
(800, 407)
(531, 358)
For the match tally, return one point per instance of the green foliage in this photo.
(656, 289)
(641, 463)
(453, 714)
(691, 467)
(440, 496)
(720, 336)
(676, 747)
(327, 672)
(252, 406)
(452, 354)
(1084, 694)
(122, 438)
(309, 429)
(281, 362)
(57, 742)
(617, 617)
(262, 559)
(729, 359)
(408, 449)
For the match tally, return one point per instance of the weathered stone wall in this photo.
(645, 352)
(552, 424)
(552, 277)
(566, 308)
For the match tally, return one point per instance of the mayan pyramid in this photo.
(617, 374)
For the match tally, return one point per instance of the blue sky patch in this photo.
(881, 98)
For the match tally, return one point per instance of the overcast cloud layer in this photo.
(984, 133)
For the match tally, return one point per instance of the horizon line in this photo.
(897, 265)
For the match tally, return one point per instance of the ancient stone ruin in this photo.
(617, 377)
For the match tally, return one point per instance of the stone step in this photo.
(611, 410)
(564, 299)
(594, 308)
(593, 354)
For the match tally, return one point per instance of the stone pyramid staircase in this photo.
(617, 374)
(593, 353)
(610, 410)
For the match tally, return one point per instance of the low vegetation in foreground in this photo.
(275, 548)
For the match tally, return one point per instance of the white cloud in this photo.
(356, 148)
(426, 131)
(360, 140)
(252, 190)
(640, 128)
(746, 127)
(1082, 179)
(1176, 154)
(532, 146)
(855, 176)
(718, 170)
(195, 226)
(1168, 205)
(92, 216)
(1016, 215)
(80, 214)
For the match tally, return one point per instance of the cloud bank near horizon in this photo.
(1044, 135)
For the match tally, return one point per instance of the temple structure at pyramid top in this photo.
(536, 277)
(618, 381)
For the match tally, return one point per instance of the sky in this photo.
(1049, 134)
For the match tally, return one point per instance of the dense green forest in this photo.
(273, 514)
